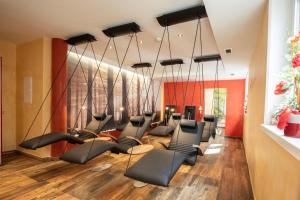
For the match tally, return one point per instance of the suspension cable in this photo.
(202, 97)
(62, 94)
(155, 64)
(195, 84)
(120, 69)
(159, 87)
(191, 62)
(170, 54)
(48, 93)
(99, 71)
(213, 99)
(89, 89)
(168, 90)
(85, 79)
(140, 59)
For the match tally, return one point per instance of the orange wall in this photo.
(59, 97)
(234, 101)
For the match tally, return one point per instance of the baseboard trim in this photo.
(233, 137)
(36, 157)
(9, 152)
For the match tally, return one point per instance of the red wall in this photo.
(59, 107)
(234, 101)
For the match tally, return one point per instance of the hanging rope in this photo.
(159, 87)
(120, 69)
(135, 73)
(218, 87)
(151, 79)
(140, 60)
(215, 83)
(182, 85)
(62, 94)
(89, 88)
(130, 109)
(170, 54)
(48, 93)
(168, 90)
(85, 79)
(191, 62)
(99, 72)
(196, 78)
(202, 96)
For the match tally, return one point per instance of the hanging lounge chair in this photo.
(159, 166)
(92, 129)
(99, 123)
(167, 129)
(130, 136)
(209, 128)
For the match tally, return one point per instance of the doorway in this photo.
(215, 104)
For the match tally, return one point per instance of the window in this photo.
(281, 23)
(297, 16)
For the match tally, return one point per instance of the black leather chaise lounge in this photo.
(99, 123)
(159, 166)
(94, 127)
(129, 137)
(169, 128)
(121, 127)
(209, 128)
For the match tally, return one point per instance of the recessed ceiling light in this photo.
(228, 51)
(232, 74)
(179, 35)
(141, 42)
(110, 47)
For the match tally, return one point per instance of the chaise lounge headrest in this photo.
(137, 120)
(99, 116)
(148, 113)
(185, 123)
(176, 116)
(209, 118)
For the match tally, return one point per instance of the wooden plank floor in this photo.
(216, 176)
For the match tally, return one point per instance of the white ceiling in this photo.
(22, 21)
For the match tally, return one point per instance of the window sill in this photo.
(292, 145)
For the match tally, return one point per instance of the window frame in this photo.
(296, 22)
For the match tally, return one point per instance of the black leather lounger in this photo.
(100, 122)
(209, 128)
(132, 133)
(168, 129)
(49, 138)
(94, 127)
(121, 127)
(159, 166)
(87, 151)
(150, 114)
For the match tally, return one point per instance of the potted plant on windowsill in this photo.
(287, 115)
